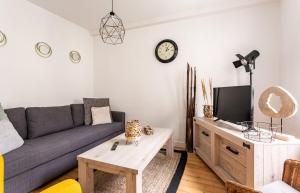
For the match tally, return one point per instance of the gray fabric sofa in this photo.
(53, 137)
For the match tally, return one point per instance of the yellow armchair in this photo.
(1, 174)
(291, 177)
(66, 186)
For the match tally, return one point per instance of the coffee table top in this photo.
(130, 157)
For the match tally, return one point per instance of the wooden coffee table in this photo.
(126, 160)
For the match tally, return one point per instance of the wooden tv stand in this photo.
(232, 157)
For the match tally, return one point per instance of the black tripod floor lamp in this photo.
(249, 63)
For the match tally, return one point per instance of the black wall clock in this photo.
(166, 51)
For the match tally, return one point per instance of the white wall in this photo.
(290, 68)
(129, 74)
(27, 79)
(154, 92)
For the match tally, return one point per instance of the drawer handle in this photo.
(204, 133)
(232, 150)
(246, 145)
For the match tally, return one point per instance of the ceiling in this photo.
(87, 13)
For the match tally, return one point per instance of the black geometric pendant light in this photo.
(112, 30)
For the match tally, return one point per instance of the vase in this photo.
(208, 111)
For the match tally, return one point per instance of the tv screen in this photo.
(232, 104)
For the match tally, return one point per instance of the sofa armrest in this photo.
(291, 173)
(118, 116)
(234, 187)
(1, 174)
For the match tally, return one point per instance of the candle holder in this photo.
(133, 132)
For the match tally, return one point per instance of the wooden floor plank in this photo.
(199, 178)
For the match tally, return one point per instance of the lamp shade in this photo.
(248, 61)
(112, 30)
(237, 64)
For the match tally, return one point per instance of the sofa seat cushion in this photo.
(277, 187)
(40, 150)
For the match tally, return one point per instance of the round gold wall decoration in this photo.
(3, 39)
(289, 105)
(43, 49)
(75, 56)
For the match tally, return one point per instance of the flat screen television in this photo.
(232, 104)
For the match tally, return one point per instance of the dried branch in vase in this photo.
(211, 90)
(207, 107)
(204, 93)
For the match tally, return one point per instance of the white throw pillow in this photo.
(101, 115)
(9, 137)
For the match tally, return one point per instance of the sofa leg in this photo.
(86, 177)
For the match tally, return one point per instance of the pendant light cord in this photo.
(112, 5)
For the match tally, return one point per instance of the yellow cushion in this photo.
(67, 186)
(1, 174)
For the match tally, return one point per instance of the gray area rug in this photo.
(156, 177)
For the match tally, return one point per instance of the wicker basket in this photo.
(133, 132)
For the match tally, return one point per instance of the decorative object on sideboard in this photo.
(75, 56)
(166, 51)
(263, 132)
(3, 39)
(208, 111)
(43, 49)
(133, 132)
(249, 64)
(289, 106)
(191, 102)
(208, 107)
(148, 130)
(112, 30)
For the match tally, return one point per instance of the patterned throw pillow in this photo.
(9, 137)
(92, 102)
(2, 113)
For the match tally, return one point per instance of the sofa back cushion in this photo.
(17, 117)
(46, 120)
(78, 114)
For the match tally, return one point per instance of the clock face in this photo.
(166, 51)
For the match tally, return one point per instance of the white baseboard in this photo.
(179, 146)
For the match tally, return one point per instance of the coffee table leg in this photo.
(170, 146)
(86, 177)
(134, 183)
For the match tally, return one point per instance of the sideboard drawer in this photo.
(234, 151)
(205, 149)
(234, 168)
(205, 135)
